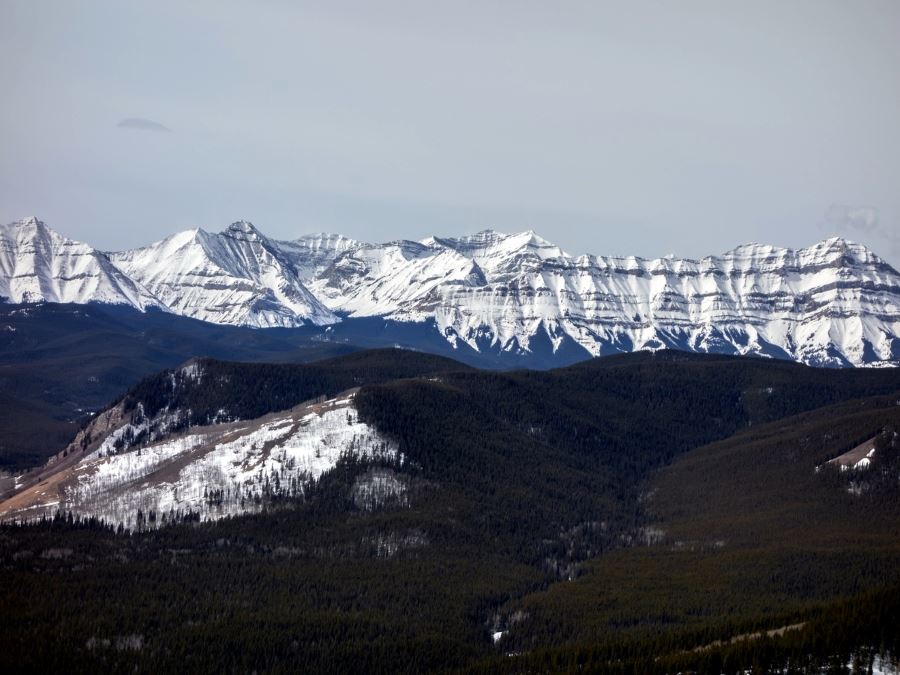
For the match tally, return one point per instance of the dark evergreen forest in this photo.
(629, 514)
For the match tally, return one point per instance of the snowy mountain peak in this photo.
(323, 241)
(486, 239)
(832, 303)
(751, 248)
(244, 230)
(39, 265)
(311, 254)
(846, 247)
(31, 228)
(235, 277)
(839, 242)
(31, 221)
(501, 252)
(834, 252)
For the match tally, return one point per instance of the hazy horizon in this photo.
(613, 129)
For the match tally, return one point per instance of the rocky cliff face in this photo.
(312, 253)
(834, 303)
(39, 265)
(236, 277)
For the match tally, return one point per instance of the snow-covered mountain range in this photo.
(833, 303)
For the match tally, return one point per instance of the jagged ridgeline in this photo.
(516, 299)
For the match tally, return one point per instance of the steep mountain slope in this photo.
(312, 253)
(214, 395)
(213, 471)
(39, 265)
(518, 297)
(835, 303)
(61, 362)
(234, 277)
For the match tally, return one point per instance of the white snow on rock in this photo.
(216, 471)
(834, 303)
(39, 265)
(237, 276)
(311, 254)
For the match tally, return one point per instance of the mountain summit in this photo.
(834, 303)
(235, 277)
(40, 265)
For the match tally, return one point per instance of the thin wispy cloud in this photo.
(142, 124)
(860, 220)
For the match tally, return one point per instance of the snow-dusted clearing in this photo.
(216, 471)
(858, 459)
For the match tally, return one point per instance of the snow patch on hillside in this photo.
(222, 472)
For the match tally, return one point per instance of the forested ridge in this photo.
(635, 505)
(207, 389)
(58, 363)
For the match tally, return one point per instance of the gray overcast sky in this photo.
(626, 127)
